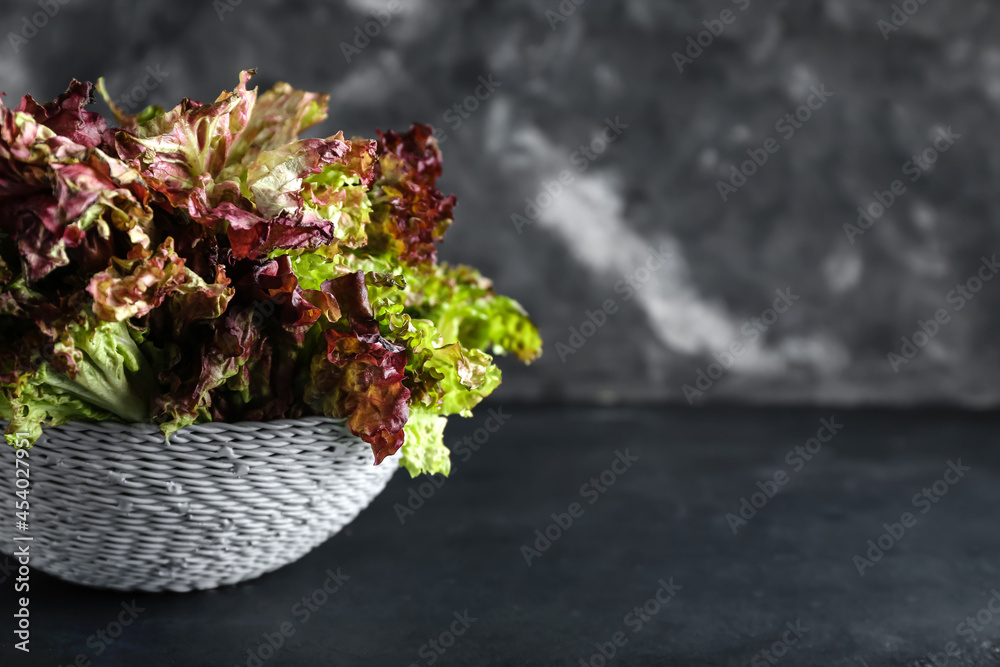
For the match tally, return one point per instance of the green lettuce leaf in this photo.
(338, 194)
(465, 377)
(466, 309)
(109, 379)
(36, 402)
(424, 451)
(111, 374)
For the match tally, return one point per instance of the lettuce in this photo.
(411, 215)
(108, 379)
(339, 195)
(111, 373)
(465, 308)
(34, 402)
(205, 263)
(425, 451)
(63, 200)
(360, 374)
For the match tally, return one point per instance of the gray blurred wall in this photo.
(883, 89)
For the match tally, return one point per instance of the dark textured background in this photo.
(655, 185)
(665, 518)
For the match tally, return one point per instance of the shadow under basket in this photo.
(116, 506)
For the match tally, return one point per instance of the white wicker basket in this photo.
(114, 506)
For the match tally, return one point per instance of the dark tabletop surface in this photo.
(784, 589)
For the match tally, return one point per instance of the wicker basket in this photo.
(114, 506)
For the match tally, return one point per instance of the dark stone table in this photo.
(645, 565)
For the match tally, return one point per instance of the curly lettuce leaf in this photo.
(276, 177)
(109, 379)
(425, 451)
(224, 348)
(112, 373)
(34, 402)
(133, 287)
(197, 299)
(66, 115)
(61, 200)
(182, 153)
(339, 193)
(462, 304)
(249, 356)
(279, 116)
(410, 214)
(465, 377)
(360, 375)
(465, 308)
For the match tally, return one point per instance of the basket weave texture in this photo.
(115, 506)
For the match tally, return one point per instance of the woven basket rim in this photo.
(147, 428)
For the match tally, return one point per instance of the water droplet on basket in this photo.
(228, 452)
(241, 470)
(226, 523)
(126, 505)
(182, 508)
(115, 477)
(174, 488)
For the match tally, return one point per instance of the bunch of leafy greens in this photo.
(206, 264)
